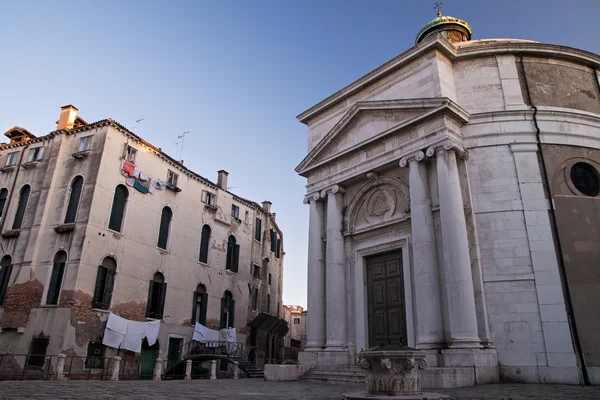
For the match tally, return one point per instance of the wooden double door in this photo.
(385, 299)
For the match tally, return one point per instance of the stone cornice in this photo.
(464, 51)
(435, 106)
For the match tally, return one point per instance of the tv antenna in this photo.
(137, 124)
(179, 142)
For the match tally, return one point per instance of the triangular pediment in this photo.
(367, 121)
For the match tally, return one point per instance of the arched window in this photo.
(105, 279)
(118, 208)
(165, 223)
(58, 271)
(23, 198)
(204, 242)
(76, 187)
(199, 305)
(227, 310)
(3, 196)
(233, 254)
(5, 270)
(157, 292)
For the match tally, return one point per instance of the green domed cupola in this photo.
(453, 29)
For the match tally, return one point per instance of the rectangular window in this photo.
(35, 154)
(296, 321)
(95, 355)
(256, 272)
(155, 306)
(268, 303)
(258, 230)
(11, 159)
(129, 154)
(105, 279)
(208, 198)
(37, 351)
(235, 211)
(85, 143)
(255, 299)
(172, 178)
(270, 278)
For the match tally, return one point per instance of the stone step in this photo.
(337, 372)
(333, 378)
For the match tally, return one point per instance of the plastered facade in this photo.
(73, 323)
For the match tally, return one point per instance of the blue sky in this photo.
(233, 73)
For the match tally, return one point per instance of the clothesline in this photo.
(128, 335)
(139, 180)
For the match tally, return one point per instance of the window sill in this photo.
(173, 188)
(210, 207)
(102, 310)
(65, 228)
(153, 319)
(29, 164)
(239, 221)
(13, 233)
(81, 154)
(8, 168)
(163, 251)
(230, 272)
(258, 241)
(203, 264)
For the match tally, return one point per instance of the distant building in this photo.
(81, 237)
(454, 197)
(296, 319)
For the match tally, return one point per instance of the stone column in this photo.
(115, 370)
(236, 370)
(315, 324)
(188, 369)
(428, 308)
(335, 275)
(457, 277)
(60, 367)
(213, 369)
(158, 369)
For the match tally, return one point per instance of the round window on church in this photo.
(586, 179)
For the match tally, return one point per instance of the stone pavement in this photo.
(251, 389)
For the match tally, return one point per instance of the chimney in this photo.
(222, 179)
(273, 215)
(67, 117)
(267, 206)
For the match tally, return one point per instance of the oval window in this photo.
(586, 179)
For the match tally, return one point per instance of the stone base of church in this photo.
(325, 358)
(449, 368)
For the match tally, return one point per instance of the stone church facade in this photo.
(454, 207)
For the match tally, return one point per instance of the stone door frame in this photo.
(371, 247)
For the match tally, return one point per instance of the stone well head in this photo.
(393, 369)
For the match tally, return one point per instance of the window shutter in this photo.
(76, 188)
(108, 288)
(203, 309)
(203, 199)
(40, 154)
(194, 303)
(278, 253)
(23, 198)
(100, 275)
(125, 151)
(161, 304)
(4, 278)
(229, 260)
(53, 289)
(149, 312)
(231, 314)
(223, 323)
(236, 257)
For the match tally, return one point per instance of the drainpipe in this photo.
(12, 189)
(553, 224)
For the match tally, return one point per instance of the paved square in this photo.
(251, 389)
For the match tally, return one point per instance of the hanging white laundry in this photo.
(112, 338)
(152, 328)
(117, 324)
(200, 333)
(136, 332)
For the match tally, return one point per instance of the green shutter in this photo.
(108, 288)
(273, 239)
(229, 259)
(236, 257)
(231, 314)
(194, 300)
(278, 252)
(223, 323)
(98, 290)
(149, 313)
(4, 279)
(55, 281)
(204, 308)
(161, 304)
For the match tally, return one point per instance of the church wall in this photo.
(560, 83)
(478, 85)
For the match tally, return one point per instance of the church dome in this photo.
(453, 29)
